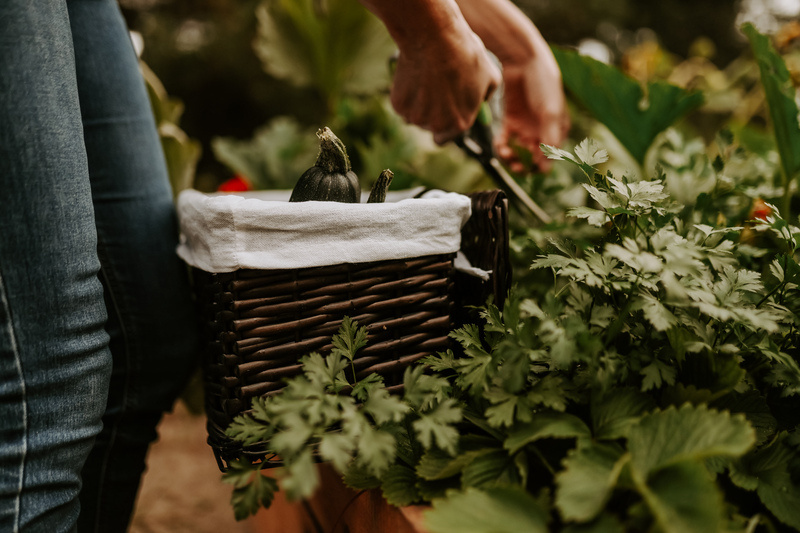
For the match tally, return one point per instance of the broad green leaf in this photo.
(342, 51)
(684, 499)
(588, 478)
(769, 466)
(491, 469)
(543, 426)
(780, 93)
(619, 102)
(615, 412)
(495, 510)
(692, 432)
(398, 485)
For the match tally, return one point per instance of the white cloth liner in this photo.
(227, 232)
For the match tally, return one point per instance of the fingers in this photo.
(443, 94)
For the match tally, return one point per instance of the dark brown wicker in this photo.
(258, 323)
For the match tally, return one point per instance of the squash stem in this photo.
(332, 156)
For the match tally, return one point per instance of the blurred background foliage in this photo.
(249, 81)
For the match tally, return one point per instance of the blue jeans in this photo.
(97, 331)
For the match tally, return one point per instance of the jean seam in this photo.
(104, 272)
(18, 361)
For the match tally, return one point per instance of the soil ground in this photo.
(182, 491)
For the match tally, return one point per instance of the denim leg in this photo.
(151, 317)
(54, 357)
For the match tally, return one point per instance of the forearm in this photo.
(504, 29)
(419, 25)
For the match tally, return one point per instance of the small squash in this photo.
(331, 179)
(377, 195)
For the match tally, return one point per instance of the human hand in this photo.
(440, 88)
(535, 111)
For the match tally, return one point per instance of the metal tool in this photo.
(477, 143)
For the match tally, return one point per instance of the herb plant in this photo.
(653, 386)
(644, 377)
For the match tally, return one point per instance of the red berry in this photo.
(235, 184)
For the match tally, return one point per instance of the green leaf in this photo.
(247, 430)
(769, 467)
(501, 412)
(551, 391)
(657, 373)
(654, 311)
(423, 391)
(495, 510)
(491, 469)
(437, 426)
(338, 449)
(324, 370)
(684, 499)
(363, 387)
(594, 217)
(251, 489)
(615, 412)
(357, 477)
(692, 432)
(293, 434)
(619, 102)
(780, 93)
(299, 477)
(587, 154)
(376, 450)
(591, 153)
(350, 338)
(341, 51)
(588, 478)
(398, 485)
(384, 407)
(543, 426)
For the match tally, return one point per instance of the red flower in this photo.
(235, 184)
(760, 210)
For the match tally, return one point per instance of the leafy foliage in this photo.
(645, 376)
(633, 114)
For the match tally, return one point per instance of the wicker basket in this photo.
(258, 323)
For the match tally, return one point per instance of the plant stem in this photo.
(770, 293)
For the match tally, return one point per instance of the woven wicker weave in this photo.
(258, 323)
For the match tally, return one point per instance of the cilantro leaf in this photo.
(436, 426)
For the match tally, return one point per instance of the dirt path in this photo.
(181, 490)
